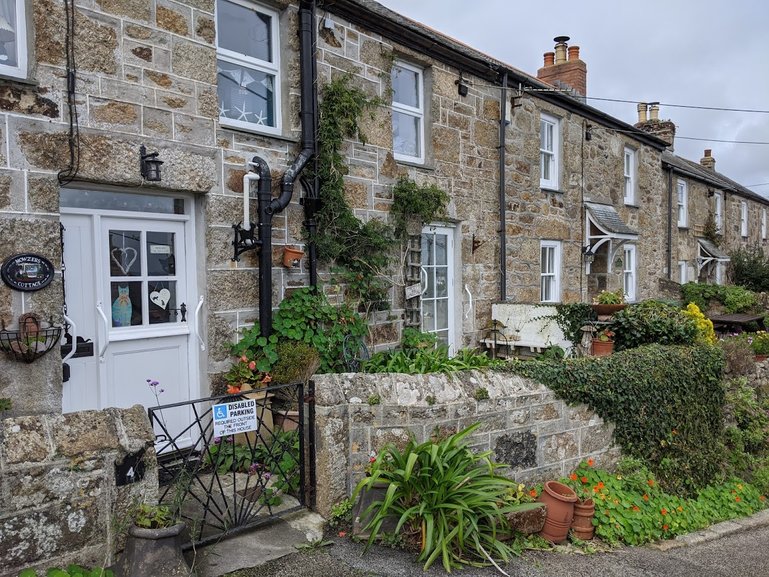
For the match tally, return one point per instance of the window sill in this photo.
(555, 190)
(683, 227)
(416, 164)
(246, 131)
(19, 80)
(632, 205)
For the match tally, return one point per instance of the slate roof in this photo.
(712, 249)
(607, 218)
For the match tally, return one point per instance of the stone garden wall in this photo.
(59, 499)
(523, 423)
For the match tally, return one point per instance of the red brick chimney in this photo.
(562, 72)
(664, 129)
(708, 161)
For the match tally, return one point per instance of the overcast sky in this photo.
(693, 52)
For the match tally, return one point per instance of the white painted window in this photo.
(549, 151)
(550, 271)
(719, 212)
(719, 273)
(682, 272)
(13, 38)
(683, 216)
(744, 218)
(629, 273)
(630, 176)
(408, 113)
(248, 66)
(763, 224)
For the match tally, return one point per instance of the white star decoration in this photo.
(243, 112)
(260, 118)
(222, 110)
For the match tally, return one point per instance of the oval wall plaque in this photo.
(27, 272)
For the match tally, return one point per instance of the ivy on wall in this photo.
(665, 402)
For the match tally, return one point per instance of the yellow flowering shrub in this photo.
(706, 334)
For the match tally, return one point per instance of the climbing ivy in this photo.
(664, 401)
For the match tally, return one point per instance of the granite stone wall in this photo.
(539, 436)
(59, 499)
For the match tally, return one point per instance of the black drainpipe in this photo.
(268, 206)
(502, 193)
(670, 223)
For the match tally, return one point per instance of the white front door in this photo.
(438, 283)
(130, 291)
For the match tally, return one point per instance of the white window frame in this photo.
(630, 176)
(553, 276)
(719, 212)
(20, 26)
(743, 218)
(271, 68)
(683, 271)
(629, 272)
(682, 196)
(763, 224)
(418, 113)
(551, 155)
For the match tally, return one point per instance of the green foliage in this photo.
(297, 362)
(735, 299)
(481, 394)
(360, 249)
(761, 477)
(374, 400)
(426, 203)
(453, 497)
(750, 268)
(414, 339)
(632, 508)
(759, 343)
(70, 571)
(5, 404)
(605, 297)
(652, 322)
(422, 361)
(666, 404)
(570, 318)
(305, 316)
(747, 427)
(154, 516)
(341, 514)
(738, 355)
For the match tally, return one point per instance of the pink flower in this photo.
(252, 365)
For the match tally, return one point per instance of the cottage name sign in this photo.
(27, 272)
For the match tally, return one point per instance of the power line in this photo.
(754, 185)
(719, 140)
(681, 105)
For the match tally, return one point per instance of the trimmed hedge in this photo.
(666, 403)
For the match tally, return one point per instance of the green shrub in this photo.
(735, 299)
(651, 322)
(738, 355)
(570, 318)
(665, 402)
(453, 497)
(760, 478)
(750, 269)
(70, 571)
(415, 339)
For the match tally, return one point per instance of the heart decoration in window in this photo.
(160, 298)
(121, 256)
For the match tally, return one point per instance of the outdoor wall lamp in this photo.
(461, 86)
(149, 165)
(587, 255)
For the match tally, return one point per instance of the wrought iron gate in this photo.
(224, 485)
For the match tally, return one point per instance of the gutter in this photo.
(502, 193)
(670, 224)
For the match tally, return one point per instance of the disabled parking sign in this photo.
(235, 417)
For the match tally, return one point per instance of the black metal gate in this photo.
(224, 485)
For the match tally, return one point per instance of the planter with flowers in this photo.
(759, 344)
(606, 303)
(603, 343)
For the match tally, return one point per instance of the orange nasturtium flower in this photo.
(573, 476)
(665, 527)
(584, 480)
(664, 511)
(533, 492)
(650, 482)
(590, 462)
(762, 498)
(737, 499)
(636, 508)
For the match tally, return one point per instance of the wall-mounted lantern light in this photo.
(462, 88)
(150, 165)
(587, 255)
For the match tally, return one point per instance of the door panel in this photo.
(438, 278)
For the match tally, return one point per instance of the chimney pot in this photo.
(708, 161)
(654, 111)
(549, 59)
(573, 53)
(560, 49)
(642, 106)
(708, 152)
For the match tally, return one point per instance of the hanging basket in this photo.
(30, 341)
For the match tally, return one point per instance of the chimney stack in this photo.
(565, 73)
(664, 129)
(708, 161)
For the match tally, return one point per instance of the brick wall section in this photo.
(523, 423)
(58, 499)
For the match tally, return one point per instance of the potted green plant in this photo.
(603, 342)
(154, 544)
(609, 302)
(759, 344)
(297, 363)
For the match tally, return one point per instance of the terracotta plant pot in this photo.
(291, 257)
(560, 500)
(582, 525)
(287, 420)
(607, 310)
(602, 348)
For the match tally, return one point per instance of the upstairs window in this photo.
(549, 147)
(13, 38)
(744, 218)
(629, 273)
(550, 271)
(248, 66)
(408, 113)
(630, 176)
(683, 216)
(719, 212)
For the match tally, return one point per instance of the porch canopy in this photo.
(708, 252)
(604, 226)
